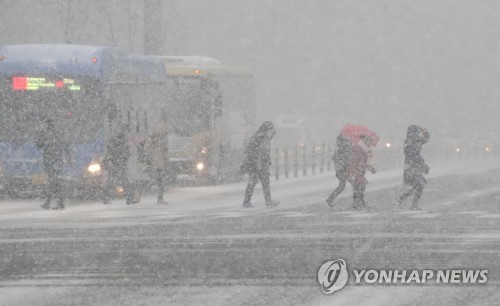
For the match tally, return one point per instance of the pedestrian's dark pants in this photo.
(54, 187)
(263, 176)
(337, 191)
(358, 195)
(418, 189)
(160, 182)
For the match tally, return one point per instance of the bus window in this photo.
(194, 102)
(23, 110)
(190, 110)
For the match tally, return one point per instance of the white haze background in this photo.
(385, 64)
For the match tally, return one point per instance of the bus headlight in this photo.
(200, 166)
(94, 168)
(120, 191)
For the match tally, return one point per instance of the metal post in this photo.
(277, 163)
(295, 161)
(313, 159)
(286, 165)
(304, 160)
(322, 163)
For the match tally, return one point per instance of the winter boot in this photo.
(272, 204)
(247, 205)
(357, 206)
(399, 202)
(415, 207)
(46, 205)
(161, 201)
(60, 205)
(328, 204)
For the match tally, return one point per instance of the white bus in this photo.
(211, 113)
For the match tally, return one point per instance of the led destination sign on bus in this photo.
(32, 83)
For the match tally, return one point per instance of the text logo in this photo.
(332, 276)
(421, 276)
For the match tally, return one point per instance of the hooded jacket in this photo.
(415, 165)
(55, 148)
(257, 154)
(117, 154)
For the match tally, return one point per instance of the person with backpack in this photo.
(257, 161)
(415, 166)
(54, 150)
(116, 165)
(356, 170)
(156, 150)
(352, 152)
(340, 159)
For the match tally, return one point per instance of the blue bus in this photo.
(90, 92)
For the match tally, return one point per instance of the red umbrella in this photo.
(353, 133)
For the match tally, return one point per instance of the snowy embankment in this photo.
(184, 201)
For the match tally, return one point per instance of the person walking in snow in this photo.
(257, 161)
(156, 148)
(415, 166)
(356, 170)
(340, 159)
(353, 149)
(116, 164)
(54, 150)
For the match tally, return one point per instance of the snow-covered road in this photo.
(204, 248)
(196, 201)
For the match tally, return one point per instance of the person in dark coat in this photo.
(415, 165)
(351, 162)
(340, 159)
(156, 148)
(356, 170)
(257, 161)
(116, 163)
(54, 150)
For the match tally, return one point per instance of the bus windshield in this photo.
(73, 104)
(191, 105)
